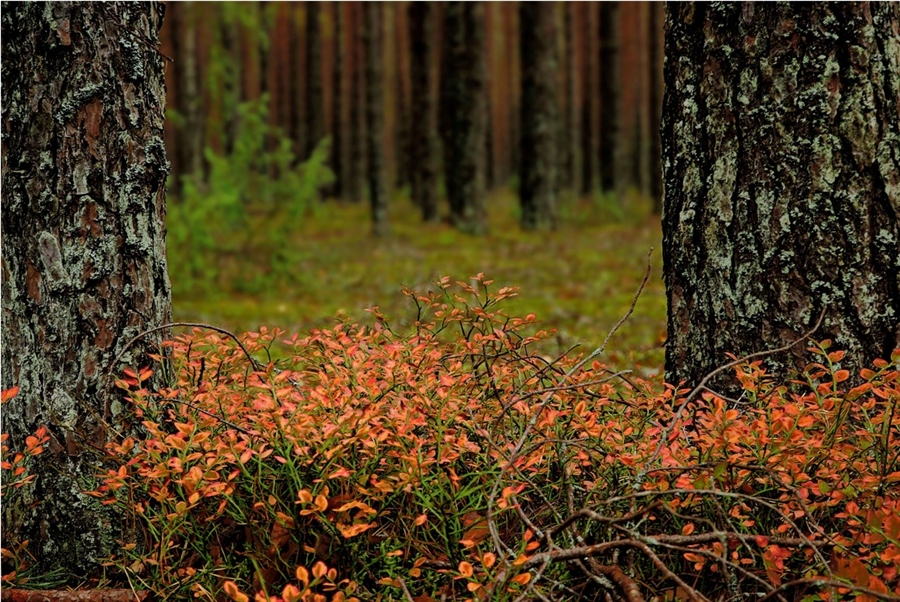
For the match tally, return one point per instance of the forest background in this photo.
(267, 133)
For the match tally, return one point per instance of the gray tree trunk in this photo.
(540, 124)
(424, 132)
(84, 265)
(613, 176)
(466, 109)
(781, 146)
(377, 174)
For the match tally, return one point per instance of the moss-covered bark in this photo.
(781, 146)
(84, 267)
(540, 115)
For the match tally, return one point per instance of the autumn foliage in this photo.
(456, 462)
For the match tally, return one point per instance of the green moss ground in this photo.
(579, 279)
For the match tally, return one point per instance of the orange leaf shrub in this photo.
(454, 461)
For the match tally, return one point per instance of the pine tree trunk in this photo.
(424, 131)
(190, 146)
(590, 146)
(782, 177)
(231, 97)
(655, 95)
(466, 99)
(572, 169)
(642, 147)
(612, 168)
(357, 170)
(540, 128)
(339, 154)
(315, 109)
(377, 176)
(84, 265)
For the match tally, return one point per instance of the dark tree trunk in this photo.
(357, 170)
(231, 97)
(315, 107)
(655, 90)
(403, 101)
(263, 45)
(642, 150)
(781, 137)
(424, 131)
(590, 145)
(84, 265)
(612, 168)
(540, 127)
(190, 139)
(571, 167)
(339, 154)
(466, 100)
(377, 176)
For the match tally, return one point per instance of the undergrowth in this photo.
(451, 461)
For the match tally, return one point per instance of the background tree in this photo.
(571, 167)
(540, 127)
(465, 99)
(315, 110)
(590, 114)
(356, 173)
(190, 135)
(84, 264)
(340, 156)
(612, 172)
(424, 131)
(656, 12)
(373, 35)
(782, 179)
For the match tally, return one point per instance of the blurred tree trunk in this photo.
(571, 168)
(315, 109)
(190, 140)
(642, 150)
(403, 101)
(655, 95)
(514, 85)
(612, 168)
(781, 137)
(590, 142)
(466, 102)
(339, 154)
(373, 38)
(262, 45)
(84, 264)
(357, 171)
(540, 127)
(231, 94)
(425, 142)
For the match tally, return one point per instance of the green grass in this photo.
(578, 280)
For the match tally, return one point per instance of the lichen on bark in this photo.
(84, 268)
(780, 131)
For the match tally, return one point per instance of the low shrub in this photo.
(454, 462)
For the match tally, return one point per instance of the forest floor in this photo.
(579, 280)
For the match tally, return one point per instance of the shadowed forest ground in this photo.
(579, 279)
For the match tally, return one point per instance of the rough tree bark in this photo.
(377, 174)
(424, 132)
(781, 146)
(83, 258)
(612, 169)
(315, 108)
(540, 126)
(466, 109)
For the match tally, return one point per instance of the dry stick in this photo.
(829, 583)
(492, 527)
(406, 593)
(639, 479)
